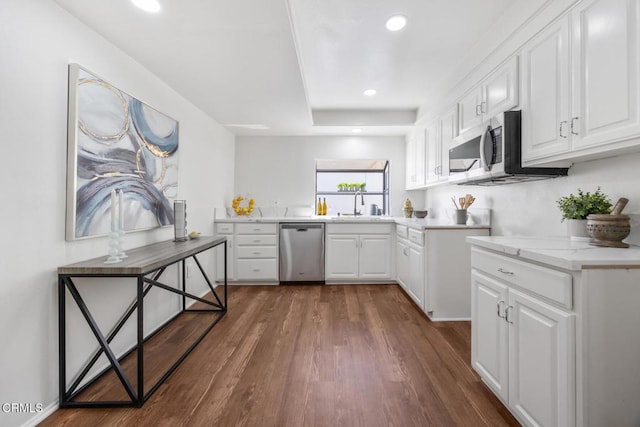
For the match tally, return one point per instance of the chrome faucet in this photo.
(355, 197)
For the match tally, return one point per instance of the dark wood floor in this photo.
(359, 355)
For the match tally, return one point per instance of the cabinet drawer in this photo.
(416, 237)
(256, 240)
(353, 228)
(402, 231)
(255, 228)
(224, 228)
(546, 282)
(256, 251)
(257, 269)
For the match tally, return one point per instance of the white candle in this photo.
(121, 210)
(113, 210)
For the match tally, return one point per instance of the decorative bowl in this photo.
(608, 230)
(420, 214)
(194, 235)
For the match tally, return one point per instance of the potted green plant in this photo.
(576, 208)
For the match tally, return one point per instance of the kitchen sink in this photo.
(356, 218)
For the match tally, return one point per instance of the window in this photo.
(338, 182)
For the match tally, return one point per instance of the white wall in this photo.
(530, 209)
(283, 168)
(37, 42)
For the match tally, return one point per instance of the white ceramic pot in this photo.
(577, 230)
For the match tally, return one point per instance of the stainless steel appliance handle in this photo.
(483, 158)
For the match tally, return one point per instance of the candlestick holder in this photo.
(113, 248)
(121, 252)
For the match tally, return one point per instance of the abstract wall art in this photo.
(116, 142)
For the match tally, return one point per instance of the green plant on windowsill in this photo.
(583, 204)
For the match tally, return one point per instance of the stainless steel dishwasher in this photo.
(301, 252)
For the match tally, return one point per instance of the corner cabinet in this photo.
(358, 252)
(581, 84)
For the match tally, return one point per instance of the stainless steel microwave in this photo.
(490, 154)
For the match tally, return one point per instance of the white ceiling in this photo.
(280, 63)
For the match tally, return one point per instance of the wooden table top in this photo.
(144, 259)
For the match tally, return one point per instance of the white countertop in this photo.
(424, 223)
(561, 252)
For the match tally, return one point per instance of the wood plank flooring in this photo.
(361, 355)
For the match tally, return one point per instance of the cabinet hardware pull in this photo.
(478, 110)
(562, 123)
(482, 105)
(256, 269)
(499, 304)
(573, 119)
(505, 271)
(506, 314)
(256, 253)
(256, 241)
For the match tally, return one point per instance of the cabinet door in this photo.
(375, 256)
(434, 160)
(500, 89)
(606, 79)
(541, 361)
(545, 93)
(402, 263)
(341, 256)
(416, 275)
(489, 333)
(469, 114)
(411, 162)
(449, 131)
(230, 260)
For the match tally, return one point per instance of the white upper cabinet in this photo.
(581, 84)
(469, 110)
(498, 92)
(500, 89)
(545, 93)
(449, 130)
(416, 159)
(434, 153)
(605, 72)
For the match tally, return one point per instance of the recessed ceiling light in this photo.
(396, 23)
(356, 130)
(148, 5)
(370, 92)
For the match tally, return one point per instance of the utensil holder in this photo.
(461, 216)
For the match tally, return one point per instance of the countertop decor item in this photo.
(610, 230)
(576, 208)
(407, 209)
(242, 210)
(420, 214)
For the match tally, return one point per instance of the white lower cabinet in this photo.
(433, 268)
(225, 230)
(523, 345)
(252, 251)
(357, 252)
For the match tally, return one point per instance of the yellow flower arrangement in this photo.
(242, 210)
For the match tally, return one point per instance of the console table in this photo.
(146, 264)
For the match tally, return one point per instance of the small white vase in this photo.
(577, 230)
